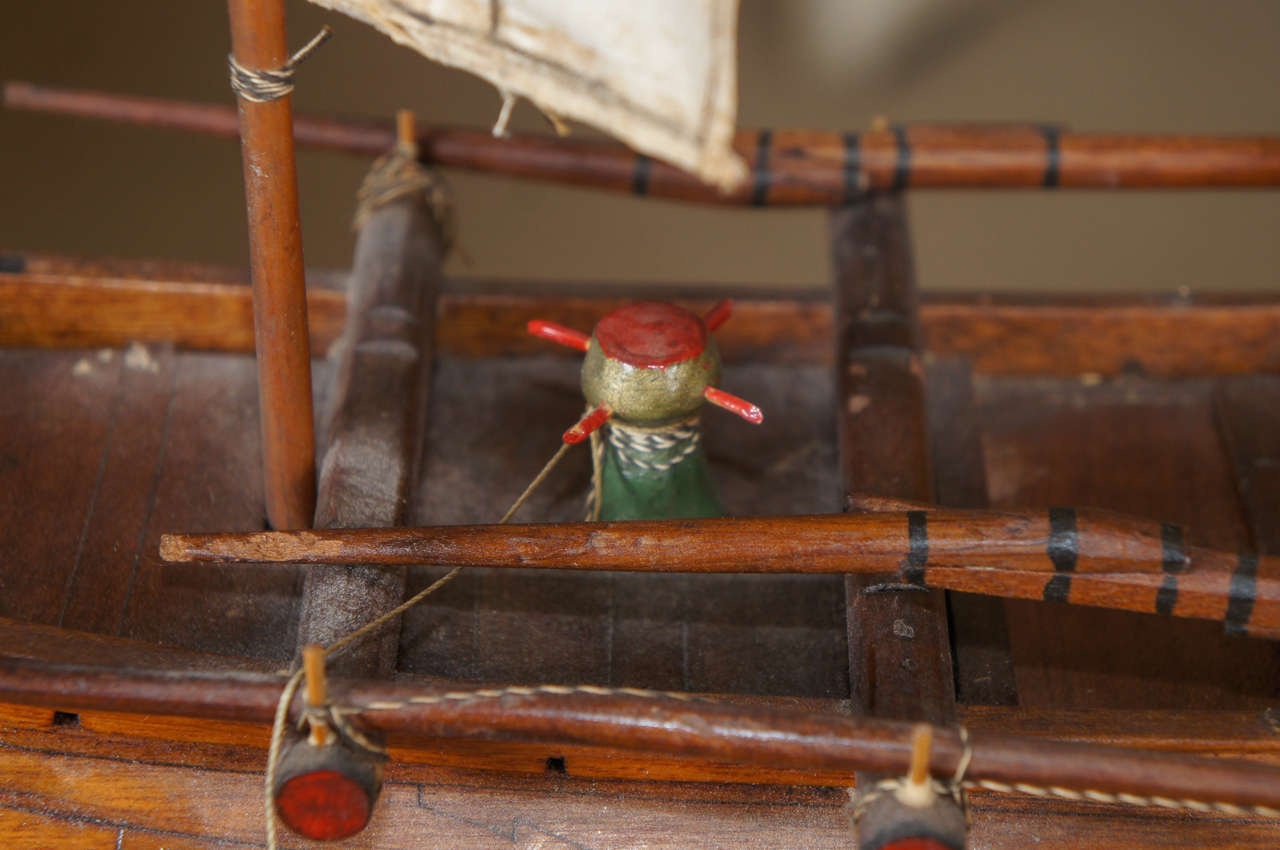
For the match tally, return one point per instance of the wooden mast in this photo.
(279, 292)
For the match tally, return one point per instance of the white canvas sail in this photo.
(660, 75)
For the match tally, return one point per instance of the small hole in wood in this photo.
(65, 718)
(555, 764)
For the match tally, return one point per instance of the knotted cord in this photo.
(268, 84)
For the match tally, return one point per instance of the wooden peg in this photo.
(317, 693)
(917, 791)
(406, 130)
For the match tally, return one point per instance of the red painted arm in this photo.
(587, 424)
(733, 404)
(559, 333)
(718, 314)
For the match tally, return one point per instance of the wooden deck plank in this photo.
(210, 478)
(120, 514)
(1141, 447)
(22, 828)
(55, 419)
(133, 839)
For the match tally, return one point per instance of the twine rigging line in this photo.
(291, 686)
(660, 447)
(268, 84)
(958, 784)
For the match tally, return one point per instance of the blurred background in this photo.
(89, 188)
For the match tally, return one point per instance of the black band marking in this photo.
(1244, 585)
(1173, 557)
(917, 546)
(13, 263)
(1167, 595)
(760, 194)
(1052, 155)
(1064, 543)
(902, 170)
(640, 183)
(852, 165)
(1173, 560)
(1063, 549)
(1058, 588)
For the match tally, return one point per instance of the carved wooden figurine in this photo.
(649, 366)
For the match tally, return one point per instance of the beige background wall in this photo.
(1126, 65)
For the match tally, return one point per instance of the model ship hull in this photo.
(1155, 408)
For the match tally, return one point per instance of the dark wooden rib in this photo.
(899, 646)
(812, 167)
(375, 438)
(275, 253)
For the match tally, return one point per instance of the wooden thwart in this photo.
(55, 302)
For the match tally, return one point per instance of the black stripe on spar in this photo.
(760, 192)
(917, 546)
(1244, 587)
(902, 168)
(1053, 155)
(852, 166)
(1173, 560)
(640, 182)
(1064, 551)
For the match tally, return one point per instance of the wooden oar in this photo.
(789, 167)
(1084, 557)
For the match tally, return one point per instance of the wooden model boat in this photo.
(1089, 678)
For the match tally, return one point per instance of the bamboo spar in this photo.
(790, 167)
(1119, 562)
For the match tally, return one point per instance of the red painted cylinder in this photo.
(324, 805)
(327, 793)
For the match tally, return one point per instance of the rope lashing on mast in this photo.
(266, 85)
